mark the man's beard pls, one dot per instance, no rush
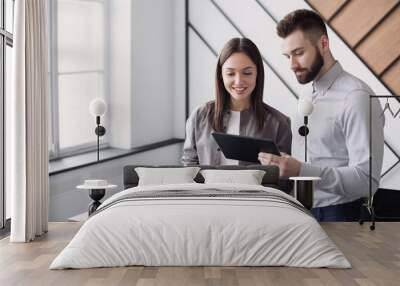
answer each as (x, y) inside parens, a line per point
(310, 74)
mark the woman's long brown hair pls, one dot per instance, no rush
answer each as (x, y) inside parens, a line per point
(222, 97)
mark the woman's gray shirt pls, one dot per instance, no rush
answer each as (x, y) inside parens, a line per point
(200, 147)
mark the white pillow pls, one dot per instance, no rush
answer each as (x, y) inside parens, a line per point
(249, 177)
(162, 176)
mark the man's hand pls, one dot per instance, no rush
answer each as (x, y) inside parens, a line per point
(288, 166)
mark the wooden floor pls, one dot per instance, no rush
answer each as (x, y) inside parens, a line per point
(374, 255)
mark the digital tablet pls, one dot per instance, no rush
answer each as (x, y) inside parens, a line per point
(244, 148)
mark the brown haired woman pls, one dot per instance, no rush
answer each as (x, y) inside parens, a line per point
(238, 108)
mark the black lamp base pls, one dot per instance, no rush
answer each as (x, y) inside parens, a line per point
(96, 195)
(303, 130)
(303, 192)
(100, 130)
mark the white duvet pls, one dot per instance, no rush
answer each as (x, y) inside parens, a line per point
(200, 231)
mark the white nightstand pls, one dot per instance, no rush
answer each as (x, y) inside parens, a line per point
(97, 190)
(304, 190)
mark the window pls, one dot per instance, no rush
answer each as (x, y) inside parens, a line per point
(77, 74)
(6, 43)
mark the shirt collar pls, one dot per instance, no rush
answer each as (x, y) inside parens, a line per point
(326, 81)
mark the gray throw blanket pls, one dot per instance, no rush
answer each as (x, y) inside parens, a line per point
(204, 193)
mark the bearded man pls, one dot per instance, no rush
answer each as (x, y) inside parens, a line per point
(339, 126)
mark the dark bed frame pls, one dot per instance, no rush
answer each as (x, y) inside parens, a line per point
(270, 179)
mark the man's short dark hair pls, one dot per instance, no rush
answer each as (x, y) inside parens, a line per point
(307, 21)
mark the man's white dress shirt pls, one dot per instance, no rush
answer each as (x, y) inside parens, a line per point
(338, 142)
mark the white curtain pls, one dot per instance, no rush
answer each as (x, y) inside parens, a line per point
(27, 151)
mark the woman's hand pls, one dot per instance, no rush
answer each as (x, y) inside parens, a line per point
(288, 166)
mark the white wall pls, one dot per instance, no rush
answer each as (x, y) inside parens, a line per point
(66, 201)
(147, 75)
(152, 72)
(179, 69)
(258, 26)
(120, 74)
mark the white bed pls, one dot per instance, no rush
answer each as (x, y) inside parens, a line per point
(185, 230)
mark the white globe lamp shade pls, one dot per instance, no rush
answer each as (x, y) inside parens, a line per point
(97, 107)
(305, 106)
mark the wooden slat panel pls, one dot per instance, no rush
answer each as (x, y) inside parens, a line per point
(326, 8)
(383, 45)
(365, 14)
(392, 77)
